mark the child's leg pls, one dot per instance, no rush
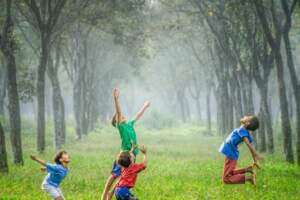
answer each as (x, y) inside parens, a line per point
(61, 197)
(107, 187)
(230, 175)
(54, 192)
(111, 193)
(115, 173)
(243, 170)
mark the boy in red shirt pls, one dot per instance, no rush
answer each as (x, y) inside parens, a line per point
(129, 174)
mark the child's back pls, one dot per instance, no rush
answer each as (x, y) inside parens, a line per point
(230, 146)
(129, 175)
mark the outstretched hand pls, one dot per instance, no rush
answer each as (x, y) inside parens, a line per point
(147, 104)
(133, 146)
(33, 157)
(255, 163)
(143, 149)
(116, 93)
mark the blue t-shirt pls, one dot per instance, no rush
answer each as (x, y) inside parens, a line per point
(230, 146)
(56, 173)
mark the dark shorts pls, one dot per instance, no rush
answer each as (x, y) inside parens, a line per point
(116, 170)
(123, 193)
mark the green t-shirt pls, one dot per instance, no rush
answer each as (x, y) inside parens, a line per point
(127, 134)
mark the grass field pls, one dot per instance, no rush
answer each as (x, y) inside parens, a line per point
(183, 165)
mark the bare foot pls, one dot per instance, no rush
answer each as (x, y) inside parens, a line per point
(253, 179)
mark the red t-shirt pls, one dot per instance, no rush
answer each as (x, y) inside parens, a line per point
(129, 175)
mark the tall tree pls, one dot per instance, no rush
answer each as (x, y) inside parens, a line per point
(3, 154)
(274, 40)
(288, 9)
(8, 48)
(3, 83)
(44, 17)
(57, 98)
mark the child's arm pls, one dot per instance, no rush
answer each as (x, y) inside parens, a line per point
(141, 112)
(116, 94)
(144, 151)
(111, 193)
(109, 182)
(254, 154)
(42, 162)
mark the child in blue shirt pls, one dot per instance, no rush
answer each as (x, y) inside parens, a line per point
(56, 173)
(229, 148)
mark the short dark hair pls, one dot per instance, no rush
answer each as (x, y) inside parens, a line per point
(124, 159)
(253, 122)
(58, 156)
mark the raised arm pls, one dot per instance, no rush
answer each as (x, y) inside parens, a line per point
(144, 151)
(254, 154)
(142, 111)
(42, 162)
(116, 94)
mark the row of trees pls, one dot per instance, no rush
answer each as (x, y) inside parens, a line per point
(239, 47)
(224, 58)
(69, 37)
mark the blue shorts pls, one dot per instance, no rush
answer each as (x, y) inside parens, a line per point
(54, 192)
(116, 170)
(123, 193)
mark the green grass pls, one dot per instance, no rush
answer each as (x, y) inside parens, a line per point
(183, 165)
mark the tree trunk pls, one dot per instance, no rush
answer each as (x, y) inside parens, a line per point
(298, 126)
(7, 44)
(186, 108)
(262, 133)
(285, 121)
(57, 104)
(181, 106)
(77, 103)
(222, 112)
(77, 96)
(84, 90)
(239, 110)
(274, 43)
(249, 96)
(208, 111)
(295, 84)
(198, 107)
(219, 113)
(3, 154)
(228, 109)
(3, 85)
(267, 119)
(41, 94)
(14, 110)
